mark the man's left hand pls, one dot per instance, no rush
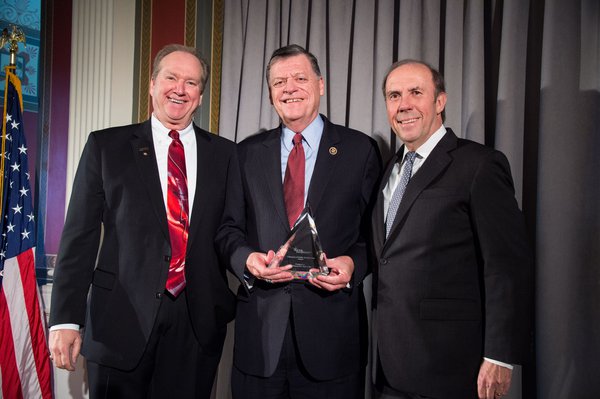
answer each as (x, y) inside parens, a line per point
(493, 380)
(340, 274)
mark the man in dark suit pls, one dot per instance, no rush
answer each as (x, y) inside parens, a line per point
(453, 265)
(300, 339)
(150, 197)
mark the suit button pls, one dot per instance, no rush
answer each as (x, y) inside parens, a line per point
(167, 258)
(287, 289)
(383, 261)
(158, 295)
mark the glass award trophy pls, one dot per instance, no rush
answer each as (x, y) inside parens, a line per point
(302, 250)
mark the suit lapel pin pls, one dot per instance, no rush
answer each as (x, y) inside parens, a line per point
(144, 151)
(333, 150)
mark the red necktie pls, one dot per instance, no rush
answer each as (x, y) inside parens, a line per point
(177, 214)
(293, 183)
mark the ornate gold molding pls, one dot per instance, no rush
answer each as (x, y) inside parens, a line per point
(216, 59)
(145, 47)
(190, 23)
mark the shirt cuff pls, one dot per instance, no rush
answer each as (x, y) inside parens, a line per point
(65, 326)
(248, 279)
(508, 366)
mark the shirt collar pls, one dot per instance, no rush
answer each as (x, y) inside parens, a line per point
(311, 134)
(425, 149)
(163, 132)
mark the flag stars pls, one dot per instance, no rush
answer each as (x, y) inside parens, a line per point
(18, 232)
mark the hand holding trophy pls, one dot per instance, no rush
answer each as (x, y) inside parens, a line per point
(302, 249)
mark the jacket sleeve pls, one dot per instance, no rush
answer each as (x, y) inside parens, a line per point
(231, 236)
(370, 181)
(79, 241)
(507, 261)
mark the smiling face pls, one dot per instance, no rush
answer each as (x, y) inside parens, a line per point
(295, 91)
(176, 90)
(413, 110)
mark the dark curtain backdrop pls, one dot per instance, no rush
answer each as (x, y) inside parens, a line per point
(522, 76)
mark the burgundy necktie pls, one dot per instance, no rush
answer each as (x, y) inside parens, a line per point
(293, 183)
(177, 214)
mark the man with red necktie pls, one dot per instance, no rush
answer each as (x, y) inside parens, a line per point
(159, 303)
(300, 339)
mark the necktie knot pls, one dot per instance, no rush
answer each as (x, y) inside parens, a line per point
(174, 134)
(297, 139)
(410, 157)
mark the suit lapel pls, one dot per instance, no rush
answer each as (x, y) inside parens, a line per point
(435, 164)
(324, 166)
(204, 163)
(270, 162)
(143, 152)
(378, 216)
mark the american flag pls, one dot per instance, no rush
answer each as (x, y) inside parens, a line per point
(24, 361)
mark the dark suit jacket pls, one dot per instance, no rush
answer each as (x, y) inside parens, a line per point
(117, 198)
(327, 325)
(451, 280)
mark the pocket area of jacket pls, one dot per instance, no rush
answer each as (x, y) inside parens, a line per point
(449, 309)
(103, 279)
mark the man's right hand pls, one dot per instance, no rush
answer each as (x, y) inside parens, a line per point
(65, 345)
(257, 264)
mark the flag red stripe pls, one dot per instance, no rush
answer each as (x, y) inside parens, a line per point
(24, 356)
(36, 324)
(11, 382)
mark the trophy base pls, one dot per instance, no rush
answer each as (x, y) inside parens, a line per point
(306, 275)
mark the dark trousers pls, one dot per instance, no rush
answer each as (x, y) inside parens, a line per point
(389, 393)
(173, 365)
(382, 389)
(292, 381)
